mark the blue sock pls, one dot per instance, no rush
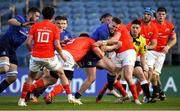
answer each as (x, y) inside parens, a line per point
(110, 80)
(77, 95)
(4, 84)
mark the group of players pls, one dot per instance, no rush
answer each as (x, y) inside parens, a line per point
(137, 49)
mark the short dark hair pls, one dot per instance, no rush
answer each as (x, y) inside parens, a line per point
(105, 15)
(34, 9)
(48, 12)
(84, 35)
(161, 9)
(61, 18)
(136, 22)
(116, 20)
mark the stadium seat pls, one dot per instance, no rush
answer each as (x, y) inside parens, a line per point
(77, 22)
(177, 9)
(164, 3)
(134, 4)
(92, 16)
(79, 29)
(91, 4)
(35, 3)
(93, 9)
(106, 10)
(177, 16)
(175, 3)
(122, 9)
(76, 4)
(126, 20)
(93, 21)
(20, 8)
(136, 9)
(118, 4)
(78, 10)
(133, 16)
(148, 3)
(105, 4)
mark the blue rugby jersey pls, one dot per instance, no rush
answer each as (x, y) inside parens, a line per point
(65, 35)
(15, 35)
(101, 33)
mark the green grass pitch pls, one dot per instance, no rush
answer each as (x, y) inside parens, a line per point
(108, 103)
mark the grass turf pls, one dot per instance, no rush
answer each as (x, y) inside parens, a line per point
(108, 103)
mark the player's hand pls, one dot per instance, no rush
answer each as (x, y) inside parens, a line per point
(165, 49)
(119, 44)
(63, 58)
(27, 24)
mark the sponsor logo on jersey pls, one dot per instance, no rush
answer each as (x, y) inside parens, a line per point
(150, 33)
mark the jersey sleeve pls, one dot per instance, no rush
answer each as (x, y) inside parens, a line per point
(101, 33)
(91, 42)
(143, 48)
(95, 35)
(19, 18)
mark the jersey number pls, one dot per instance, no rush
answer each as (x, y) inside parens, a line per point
(43, 37)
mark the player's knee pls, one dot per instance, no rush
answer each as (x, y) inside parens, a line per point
(153, 78)
(4, 69)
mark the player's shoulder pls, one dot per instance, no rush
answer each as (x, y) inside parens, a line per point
(168, 23)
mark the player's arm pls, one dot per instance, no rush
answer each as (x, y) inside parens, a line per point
(29, 41)
(143, 62)
(106, 42)
(98, 51)
(15, 22)
(152, 44)
(59, 49)
(116, 36)
(111, 47)
(171, 42)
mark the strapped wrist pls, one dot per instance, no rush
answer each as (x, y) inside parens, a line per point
(168, 46)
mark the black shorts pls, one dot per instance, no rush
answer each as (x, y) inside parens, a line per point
(89, 60)
(137, 64)
(9, 51)
(69, 74)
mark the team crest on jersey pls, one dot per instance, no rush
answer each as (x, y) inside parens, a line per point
(167, 30)
(150, 34)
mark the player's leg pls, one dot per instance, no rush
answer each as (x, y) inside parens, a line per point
(91, 77)
(58, 89)
(138, 72)
(107, 64)
(128, 60)
(158, 67)
(27, 86)
(12, 70)
(4, 64)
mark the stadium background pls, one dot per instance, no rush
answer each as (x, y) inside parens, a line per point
(83, 16)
